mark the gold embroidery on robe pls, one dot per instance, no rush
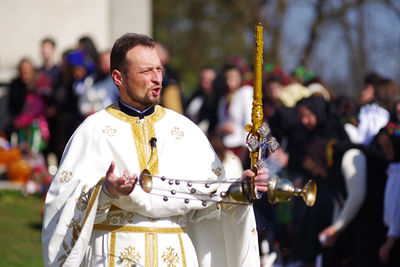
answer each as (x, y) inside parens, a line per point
(170, 257)
(109, 131)
(65, 176)
(85, 203)
(119, 218)
(177, 133)
(83, 199)
(76, 230)
(143, 131)
(129, 256)
(217, 171)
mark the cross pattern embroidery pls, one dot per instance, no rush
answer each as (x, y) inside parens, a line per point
(65, 176)
(130, 256)
(217, 171)
(177, 133)
(170, 257)
(109, 131)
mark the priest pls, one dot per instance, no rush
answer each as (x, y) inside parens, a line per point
(98, 214)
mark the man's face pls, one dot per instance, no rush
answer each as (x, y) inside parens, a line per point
(206, 79)
(47, 51)
(140, 86)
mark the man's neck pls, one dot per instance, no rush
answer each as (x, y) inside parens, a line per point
(131, 111)
(49, 64)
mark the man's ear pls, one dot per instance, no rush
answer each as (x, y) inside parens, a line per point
(117, 77)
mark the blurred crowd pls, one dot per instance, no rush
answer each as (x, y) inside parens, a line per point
(349, 145)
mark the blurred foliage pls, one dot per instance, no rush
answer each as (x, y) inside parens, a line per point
(338, 40)
(202, 34)
(20, 230)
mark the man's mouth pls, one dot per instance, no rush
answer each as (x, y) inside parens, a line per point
(156, 91)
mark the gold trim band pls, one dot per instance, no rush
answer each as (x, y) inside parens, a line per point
(112, 250)
(154, 240)
(147, 262)
(137, 229)
(182, 251)
(92, 199)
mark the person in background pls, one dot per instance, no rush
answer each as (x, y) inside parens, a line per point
(80, 70)
(234, 111)
(317, 120)
(395, 113)
(387, 93)
(27, 106)
(202, 106)
(90, 52)
(100, 90)
(372, 116)
(341, 169)
(65, 105)
(27, 102)
(172, 95)
(273, 85)
(389, 249)
(49, 62)
(19, 86)
(51, 67)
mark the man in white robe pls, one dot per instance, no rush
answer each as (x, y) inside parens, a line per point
(96, 214)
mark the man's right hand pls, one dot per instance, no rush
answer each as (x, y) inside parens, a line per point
(119, 186)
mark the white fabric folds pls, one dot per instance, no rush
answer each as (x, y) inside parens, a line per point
(153, 229)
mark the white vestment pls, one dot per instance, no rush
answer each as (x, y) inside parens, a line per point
(83, 226)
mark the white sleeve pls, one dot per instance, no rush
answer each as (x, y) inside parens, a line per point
(104, 204)
(354, 170)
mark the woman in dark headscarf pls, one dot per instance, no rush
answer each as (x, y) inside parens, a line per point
(340, 171)
(319, 119)
(346, 225)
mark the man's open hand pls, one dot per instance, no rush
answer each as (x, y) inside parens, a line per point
(119, 186)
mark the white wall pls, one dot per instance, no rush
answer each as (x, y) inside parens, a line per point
(24, 23)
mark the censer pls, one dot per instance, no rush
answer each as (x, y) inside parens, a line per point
(259, 140)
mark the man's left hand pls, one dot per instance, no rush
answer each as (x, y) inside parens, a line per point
(260, 180)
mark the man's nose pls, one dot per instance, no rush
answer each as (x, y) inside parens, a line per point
(157, 77)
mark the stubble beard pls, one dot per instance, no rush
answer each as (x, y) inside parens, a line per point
(146, 101)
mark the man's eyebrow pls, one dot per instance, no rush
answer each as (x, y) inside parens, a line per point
(146, 68)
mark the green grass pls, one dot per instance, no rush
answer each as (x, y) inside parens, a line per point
(20, 230)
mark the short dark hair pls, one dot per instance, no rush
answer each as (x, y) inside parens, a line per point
(123, 45)
(375, 79)
(49, 40)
